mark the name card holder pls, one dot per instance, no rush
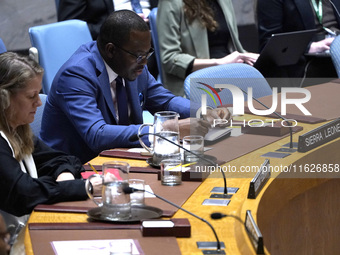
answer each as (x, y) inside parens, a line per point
(254, 233)
(259, 180)
(319, 136)
(178, 227)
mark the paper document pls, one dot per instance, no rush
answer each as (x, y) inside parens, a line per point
(93, 247)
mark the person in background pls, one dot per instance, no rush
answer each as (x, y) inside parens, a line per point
(31, 172)
(86, 111)
(194, 34)
(277, 16)
(141, 7)
(96, 12)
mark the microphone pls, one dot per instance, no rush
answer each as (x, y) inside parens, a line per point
(291, 146)
(217, 216)
(129, 190)
(135, 137)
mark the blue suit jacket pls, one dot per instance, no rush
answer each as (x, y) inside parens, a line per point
(79, 117)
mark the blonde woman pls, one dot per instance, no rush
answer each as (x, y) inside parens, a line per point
(31, 172)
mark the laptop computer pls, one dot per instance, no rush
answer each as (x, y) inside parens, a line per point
(284, 49)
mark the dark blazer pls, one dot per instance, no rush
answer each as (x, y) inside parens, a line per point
(181, 42)
(277, 16)
(20, 193)
(94, 12)
(79, 116)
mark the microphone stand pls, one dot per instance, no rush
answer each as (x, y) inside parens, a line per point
(217, 216)
(218, 250)
(225, 190)
(291, 146)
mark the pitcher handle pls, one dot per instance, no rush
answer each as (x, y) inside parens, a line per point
(88, 188)
(141, 140)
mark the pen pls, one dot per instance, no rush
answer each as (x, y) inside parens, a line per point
(189, 164)
(93, 168)
(185, 165)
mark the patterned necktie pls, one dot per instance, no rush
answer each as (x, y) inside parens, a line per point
(136, 6)
(122, 102)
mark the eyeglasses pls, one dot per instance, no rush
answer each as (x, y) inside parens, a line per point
(139, 57)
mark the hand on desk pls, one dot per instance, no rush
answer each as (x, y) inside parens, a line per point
(194, 126)
(97, 186)
(216, 114)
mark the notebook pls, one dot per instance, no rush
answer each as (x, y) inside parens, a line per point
(284, 49)
(216, 134)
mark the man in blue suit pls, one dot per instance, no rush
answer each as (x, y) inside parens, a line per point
(81, 115)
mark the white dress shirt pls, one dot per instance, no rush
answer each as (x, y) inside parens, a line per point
(112, 78)
(126, 4)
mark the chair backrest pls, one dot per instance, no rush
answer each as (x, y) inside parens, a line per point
(55, 43)
(335, 54)
(36, 124)
(154, 36)
(2, 47)
(240, 75)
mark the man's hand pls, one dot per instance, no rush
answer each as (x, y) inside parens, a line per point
(321, 46)
(193, 126)
(218, 113)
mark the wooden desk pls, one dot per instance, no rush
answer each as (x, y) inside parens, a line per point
(275, 209)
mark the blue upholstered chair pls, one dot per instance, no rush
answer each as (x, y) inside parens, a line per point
(240, 75)
(2, 47)
(154, 36)
(36, 124)
(55, 43)
(335, 54)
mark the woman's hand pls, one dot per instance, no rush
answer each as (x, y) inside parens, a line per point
(97, 184)
(237, 57)
(65, 176)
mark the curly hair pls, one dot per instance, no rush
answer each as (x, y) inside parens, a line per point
(15, 72)
(117, 27)
(201, 11)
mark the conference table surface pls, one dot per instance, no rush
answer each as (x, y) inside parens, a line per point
(230, 230)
